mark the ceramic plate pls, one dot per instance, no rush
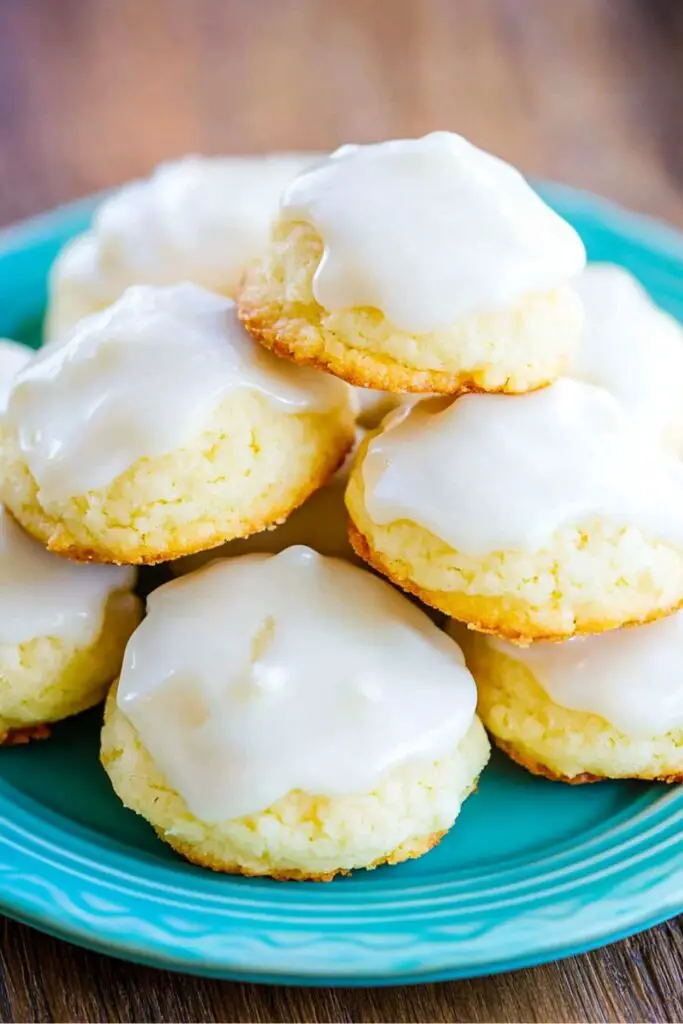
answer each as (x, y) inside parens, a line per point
(532, 871)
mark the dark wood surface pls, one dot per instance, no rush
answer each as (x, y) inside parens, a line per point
(96, 91)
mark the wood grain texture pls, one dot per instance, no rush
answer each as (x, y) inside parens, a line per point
(96, 91)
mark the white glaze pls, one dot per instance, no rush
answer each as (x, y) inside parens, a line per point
(198, 219)
(492, 473)
(633, 678)
(428, 231)
(13, 356)
(44, 595)
(632, 348)
(265, 674)
(139, 379)
(75, 286)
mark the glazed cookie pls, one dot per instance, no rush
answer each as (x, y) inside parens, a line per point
(157, 428)
(535, 516)
(419, 265)
(632, 348)
(63, 630)
(294, 716)
(198, 219)
(63, 627)
(608, 706)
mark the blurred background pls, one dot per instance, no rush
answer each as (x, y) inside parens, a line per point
(93, 92)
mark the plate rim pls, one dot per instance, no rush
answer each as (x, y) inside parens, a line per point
(101, 915)
(41, 898)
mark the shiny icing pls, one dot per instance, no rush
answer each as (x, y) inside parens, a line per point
(198, 219)
(428, 231)
(265, 674)
(139, 380)
(43, 595)
(632, 678)
(492, 473)
(632, 348)
(75, 286)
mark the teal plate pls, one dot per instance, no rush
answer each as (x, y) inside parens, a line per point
(532, 871)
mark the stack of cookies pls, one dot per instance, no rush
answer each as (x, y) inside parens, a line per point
(541, 503)
(279, 711)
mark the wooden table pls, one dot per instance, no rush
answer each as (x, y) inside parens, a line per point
(96, 91)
